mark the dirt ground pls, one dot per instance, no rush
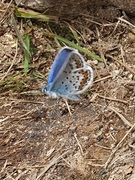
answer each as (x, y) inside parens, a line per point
(39, 140)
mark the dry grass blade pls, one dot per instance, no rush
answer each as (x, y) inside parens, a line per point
(75, 135)
(92, 21)
(30, 14)
(123, 64)
(127, 22)
(52, 162)
(102, 79)
(14, 59)
(113, 99)
(25, 101)
(68, 107)
(6, 13)
(124, 120)
(117, 147)
(19, 34)
(132, 143)
(21, 174)
(74, 32)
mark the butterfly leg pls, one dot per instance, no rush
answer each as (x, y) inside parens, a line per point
(68, 107)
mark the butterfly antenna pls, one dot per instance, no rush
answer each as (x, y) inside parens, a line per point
(68, 107)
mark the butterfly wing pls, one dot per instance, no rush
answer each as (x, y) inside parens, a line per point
(75, 78)
(59, 65)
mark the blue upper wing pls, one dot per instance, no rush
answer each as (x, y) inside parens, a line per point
(59, 64)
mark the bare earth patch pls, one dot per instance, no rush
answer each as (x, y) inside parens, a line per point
(38, 137)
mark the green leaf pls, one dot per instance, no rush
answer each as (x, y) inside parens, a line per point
(27, 55)
(30, 14)
(90, 54)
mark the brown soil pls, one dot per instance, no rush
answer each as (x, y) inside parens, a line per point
(38, 137)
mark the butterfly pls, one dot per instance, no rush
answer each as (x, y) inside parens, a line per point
(69, 76)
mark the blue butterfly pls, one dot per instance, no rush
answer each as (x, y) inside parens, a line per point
(69, 76)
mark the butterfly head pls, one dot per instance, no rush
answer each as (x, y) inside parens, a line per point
(46, 90)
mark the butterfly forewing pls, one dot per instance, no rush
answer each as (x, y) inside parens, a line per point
(59, 64)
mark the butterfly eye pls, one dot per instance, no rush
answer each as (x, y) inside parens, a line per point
(44, 89)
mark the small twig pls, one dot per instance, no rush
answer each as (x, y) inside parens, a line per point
(124, 120)
(113, 138)
(11, 63)
(128, 82)
(94, 164)
(116, 25)
(68, 107)
(117, 147)
(75, 135)
(92, 21)
(132, 143)
(54, 161)
(26, 101)
(125, 21)
(9, 176)
(123, 64)
(21, 174)
(5, 13)
(102, 79)
(103, 147)
(4, 166)
(26, 114)
(113, 99)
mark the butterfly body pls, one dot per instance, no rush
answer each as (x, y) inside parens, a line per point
(69, 75)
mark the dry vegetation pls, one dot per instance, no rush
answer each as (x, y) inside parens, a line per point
(39, 140)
